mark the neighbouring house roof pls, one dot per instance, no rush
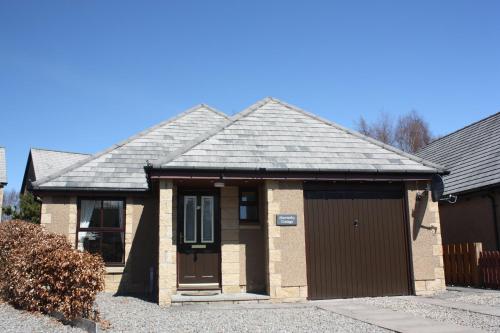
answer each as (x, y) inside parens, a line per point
(45, 162)
(471, 154)
(279, 137)
(271, 134)
(3, 167)
(121, 167)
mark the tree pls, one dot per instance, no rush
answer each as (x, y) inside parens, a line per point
(10, 199)
(29, 209)
(410, 132)
(381, 129)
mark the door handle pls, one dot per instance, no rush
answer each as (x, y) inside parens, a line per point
(356, 223)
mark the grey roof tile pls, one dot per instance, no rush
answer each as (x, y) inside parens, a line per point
(277, 136)
(121, 167)
(3, 166)
(47, 162)
(472, 155)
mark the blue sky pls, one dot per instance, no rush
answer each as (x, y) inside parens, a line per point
(83, 75)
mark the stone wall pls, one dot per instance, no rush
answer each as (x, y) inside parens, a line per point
(59, 214)
(167, 258)
(286, 257)
(230, 240)
(426, 245)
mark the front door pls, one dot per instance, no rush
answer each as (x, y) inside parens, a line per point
(199, 239)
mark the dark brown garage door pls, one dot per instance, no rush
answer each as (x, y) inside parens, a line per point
(356, 239)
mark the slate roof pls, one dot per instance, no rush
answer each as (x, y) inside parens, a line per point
(3, 167)
(47, 162)
(121, 167)
(279, 137)
(472, 155)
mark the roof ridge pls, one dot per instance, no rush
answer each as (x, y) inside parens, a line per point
(361, 136)
(59, 151)
(122, 143)
(462, 128)
(196, 141)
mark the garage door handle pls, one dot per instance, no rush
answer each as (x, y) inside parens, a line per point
(356, 222)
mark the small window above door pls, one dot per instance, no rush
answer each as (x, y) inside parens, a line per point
(249, 206)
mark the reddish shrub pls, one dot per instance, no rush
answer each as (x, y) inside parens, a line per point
(41, 271)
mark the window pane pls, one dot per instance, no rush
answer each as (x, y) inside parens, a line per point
(89, 241)
(189, 219)
(112, 214)
(249, 213)
(90, 214)
(207, 219)
(248, 196)
(112, 246)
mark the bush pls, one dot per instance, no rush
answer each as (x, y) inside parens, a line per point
(41, 271)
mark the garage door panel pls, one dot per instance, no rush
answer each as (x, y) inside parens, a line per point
(356, 242)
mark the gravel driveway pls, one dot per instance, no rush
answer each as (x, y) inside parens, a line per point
(16, 321)
(411, 305)
(128, 314)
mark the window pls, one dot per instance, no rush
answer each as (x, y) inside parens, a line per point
(249, 206)
(101, 229)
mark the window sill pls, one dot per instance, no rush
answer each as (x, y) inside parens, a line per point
(114, 269)
(250, 226)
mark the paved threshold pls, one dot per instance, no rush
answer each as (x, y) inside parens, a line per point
(389, 319)
(482, 309)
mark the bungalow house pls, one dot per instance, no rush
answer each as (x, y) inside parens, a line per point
(3, 177)
(273, 200)
(472, 155)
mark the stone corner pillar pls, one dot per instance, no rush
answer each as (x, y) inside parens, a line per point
(286, 266)
(167, 267)
(426, 243)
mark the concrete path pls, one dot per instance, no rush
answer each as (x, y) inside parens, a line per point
(389, 319)
(482, 309)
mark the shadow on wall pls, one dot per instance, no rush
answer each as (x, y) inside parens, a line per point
(418, 213)
(255, 260)
(139, 277)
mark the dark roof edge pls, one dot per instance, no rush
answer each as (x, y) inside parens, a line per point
(460, 129)
(38, 183)
(196, 141)
(378, 171)
(439, 168)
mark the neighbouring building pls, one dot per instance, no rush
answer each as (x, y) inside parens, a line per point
(472, 155)
(3, 177)
(273, 200)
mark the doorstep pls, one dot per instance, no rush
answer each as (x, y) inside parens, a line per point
(183, 298)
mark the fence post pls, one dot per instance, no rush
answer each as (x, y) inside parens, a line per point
(476, 272)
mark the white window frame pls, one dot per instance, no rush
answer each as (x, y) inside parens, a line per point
(186, 198)
(211, 197)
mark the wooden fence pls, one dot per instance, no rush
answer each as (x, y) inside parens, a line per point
(489, 263)
(466, 264)
(461, 264)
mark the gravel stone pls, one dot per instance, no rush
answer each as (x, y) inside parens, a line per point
(127, 314)
(480, 298)
(440, 313)
(13, 320)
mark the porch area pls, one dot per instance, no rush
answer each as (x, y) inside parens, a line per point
(243, 258)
